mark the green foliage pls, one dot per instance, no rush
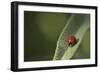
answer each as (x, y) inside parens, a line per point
(77, 25)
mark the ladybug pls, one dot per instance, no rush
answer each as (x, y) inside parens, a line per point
(71, 40)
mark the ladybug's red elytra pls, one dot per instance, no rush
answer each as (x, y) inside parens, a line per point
(71, 40)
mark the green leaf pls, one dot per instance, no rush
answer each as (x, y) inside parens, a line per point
(83, 51)
(77, 25)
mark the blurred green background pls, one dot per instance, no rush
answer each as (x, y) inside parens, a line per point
(41, 31)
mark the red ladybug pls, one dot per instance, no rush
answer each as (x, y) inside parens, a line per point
(71, 40)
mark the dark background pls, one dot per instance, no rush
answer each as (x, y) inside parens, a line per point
(41, 31)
